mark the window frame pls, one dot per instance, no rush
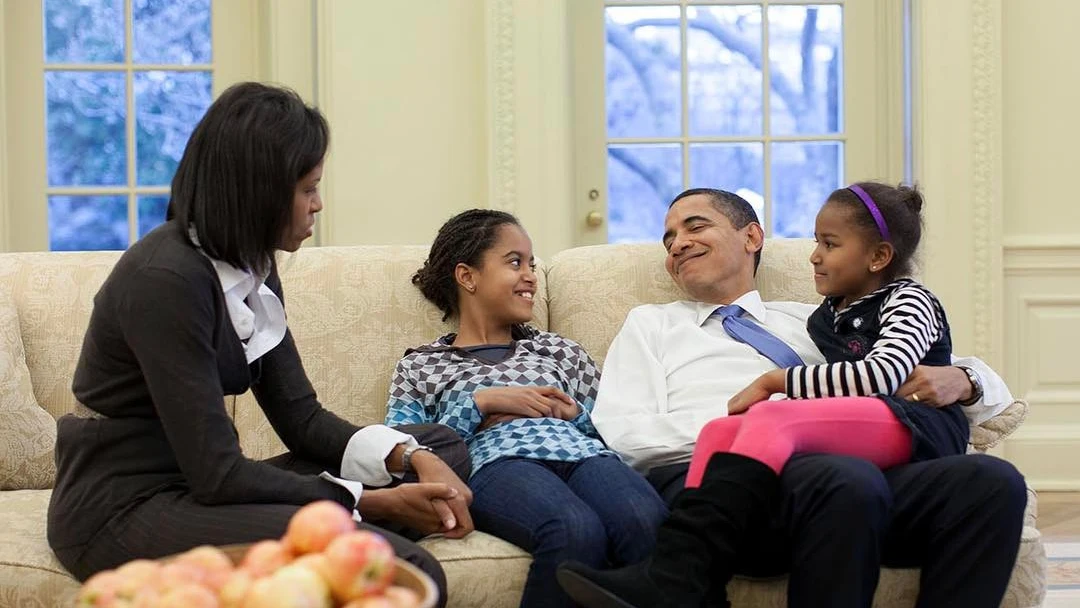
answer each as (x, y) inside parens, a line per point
(872, 104)
(24, 188)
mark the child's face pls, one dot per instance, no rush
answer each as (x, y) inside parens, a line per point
(506, 278)
(843, 257)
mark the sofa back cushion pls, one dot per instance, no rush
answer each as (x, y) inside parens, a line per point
(28, 432)
(54, 294)
(353, 311)
(591, 289)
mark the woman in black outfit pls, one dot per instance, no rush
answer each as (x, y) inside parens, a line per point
(149, 463)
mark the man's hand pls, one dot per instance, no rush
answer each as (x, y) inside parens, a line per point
(432, 470)
(526, 402)
(935, 386)
(420, 506)
(759, 390)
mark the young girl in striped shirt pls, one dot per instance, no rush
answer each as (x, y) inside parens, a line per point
(874, 326)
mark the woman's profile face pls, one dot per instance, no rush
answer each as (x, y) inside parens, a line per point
(306, 203)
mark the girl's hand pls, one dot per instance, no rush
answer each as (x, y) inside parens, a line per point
(759, 390)
(526, 401)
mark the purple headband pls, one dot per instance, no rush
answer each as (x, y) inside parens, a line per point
(873, 209)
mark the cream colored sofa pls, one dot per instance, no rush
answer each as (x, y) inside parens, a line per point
(353, 312)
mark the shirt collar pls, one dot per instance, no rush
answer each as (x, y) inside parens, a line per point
(749, 301)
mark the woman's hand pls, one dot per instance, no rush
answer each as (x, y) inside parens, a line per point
(759, 390)
(431, 469)
(420, 506)
(526, 402)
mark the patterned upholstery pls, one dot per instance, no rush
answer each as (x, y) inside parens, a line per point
(353, 312)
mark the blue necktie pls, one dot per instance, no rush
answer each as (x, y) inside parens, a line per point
(746, 331)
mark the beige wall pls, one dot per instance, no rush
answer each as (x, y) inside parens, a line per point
(404, 87)
(1041, 233)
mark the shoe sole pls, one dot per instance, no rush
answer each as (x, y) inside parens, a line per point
(588, 593)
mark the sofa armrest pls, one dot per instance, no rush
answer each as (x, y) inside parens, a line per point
(993, 431)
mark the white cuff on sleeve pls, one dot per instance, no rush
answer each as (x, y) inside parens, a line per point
(354, 487)
(366, 452)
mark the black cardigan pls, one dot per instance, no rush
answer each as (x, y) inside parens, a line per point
(159, 355)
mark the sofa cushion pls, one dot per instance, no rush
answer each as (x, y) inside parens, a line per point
(29, 432)
(993, 431)
(482, 570)
(30, 574)
(353, 311)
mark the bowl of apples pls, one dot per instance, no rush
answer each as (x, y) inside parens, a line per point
(323, 561)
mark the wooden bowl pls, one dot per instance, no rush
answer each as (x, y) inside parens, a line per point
(405, 575)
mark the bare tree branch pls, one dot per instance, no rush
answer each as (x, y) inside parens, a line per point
(735, 42)
(651, 174)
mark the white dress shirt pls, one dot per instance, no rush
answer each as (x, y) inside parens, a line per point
(672, 368)
(258, 317)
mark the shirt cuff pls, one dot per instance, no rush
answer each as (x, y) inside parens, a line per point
(354, 487)
(366, 452)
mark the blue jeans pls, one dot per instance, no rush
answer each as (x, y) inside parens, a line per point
(597, 511)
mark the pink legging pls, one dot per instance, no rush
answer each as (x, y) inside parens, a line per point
(771, 431)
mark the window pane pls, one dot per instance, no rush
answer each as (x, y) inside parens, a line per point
(643, 72)
(82, 31)
(79, 223)
(642, 180)
(85, 135)
(723, 56)
(805, 65)
(151, 211)
(167, 107)
(737, 168)
(803, 176)
(171, 31)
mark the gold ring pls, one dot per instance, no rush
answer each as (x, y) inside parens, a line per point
(915, 397)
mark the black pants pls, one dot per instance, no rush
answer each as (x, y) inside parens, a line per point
(958, 518)
(172, 521)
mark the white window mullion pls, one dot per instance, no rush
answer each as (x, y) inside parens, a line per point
(129, 123)
(766, 127)
(684, 80)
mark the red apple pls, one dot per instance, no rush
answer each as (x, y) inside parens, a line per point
(266, 556)
(136, 576)
(99, 590)
(375, 601)
(359, 564)
(188, 596)
(313, 527)
(231, 594)
(216, 566)
(176, 574)
(289, 587)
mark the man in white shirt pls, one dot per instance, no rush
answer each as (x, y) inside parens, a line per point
(671, 369)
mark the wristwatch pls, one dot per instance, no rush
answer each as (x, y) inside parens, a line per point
(406, 456)
(976, 386)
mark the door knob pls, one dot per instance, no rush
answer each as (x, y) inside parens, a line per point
(594, 219)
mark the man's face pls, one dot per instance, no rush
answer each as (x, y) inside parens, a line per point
(708, 257)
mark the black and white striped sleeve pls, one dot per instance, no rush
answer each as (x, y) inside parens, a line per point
(911, 322)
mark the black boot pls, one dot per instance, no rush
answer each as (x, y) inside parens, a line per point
(695, 547)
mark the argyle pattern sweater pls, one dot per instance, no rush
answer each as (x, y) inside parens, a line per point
(436, 383)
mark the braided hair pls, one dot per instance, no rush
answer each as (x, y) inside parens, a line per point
(463, 239)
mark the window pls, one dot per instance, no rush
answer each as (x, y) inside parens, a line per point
(102, 119)
(125, 83)
(751, 97)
